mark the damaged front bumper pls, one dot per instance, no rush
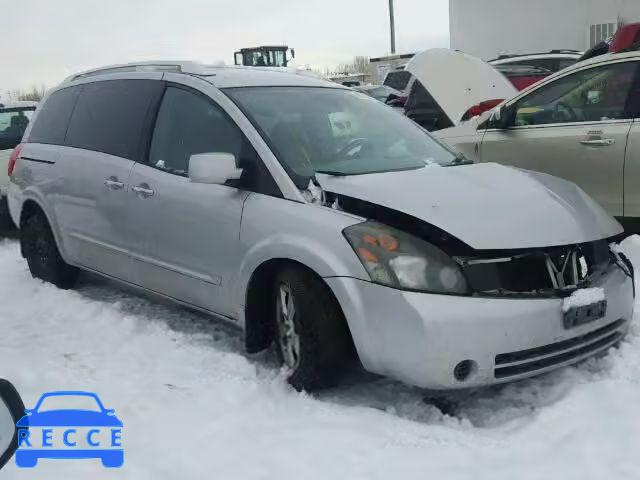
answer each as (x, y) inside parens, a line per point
(444, 342)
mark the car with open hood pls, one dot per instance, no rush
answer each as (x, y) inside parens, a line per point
(450, 87)
(580, 124)
(318, 220)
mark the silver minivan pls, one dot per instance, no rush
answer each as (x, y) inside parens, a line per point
(318, 219)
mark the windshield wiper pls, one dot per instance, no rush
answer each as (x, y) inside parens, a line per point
(334, 173)
(459, 159)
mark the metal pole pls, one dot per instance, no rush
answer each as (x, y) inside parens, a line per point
(392, 24)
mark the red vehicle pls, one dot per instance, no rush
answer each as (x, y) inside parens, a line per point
(521, 76)
(626, 39)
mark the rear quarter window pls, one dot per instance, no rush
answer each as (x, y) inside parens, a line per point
(110, 116)
(50, 125)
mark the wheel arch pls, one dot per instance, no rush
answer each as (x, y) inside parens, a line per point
(32, 205)
(258, 326)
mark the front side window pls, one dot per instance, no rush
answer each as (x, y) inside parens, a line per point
(594, 95)
(188, 124)
(336, 131)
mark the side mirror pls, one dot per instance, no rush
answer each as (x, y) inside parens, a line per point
(213, 168)
(11, 410)
(293, 53)
(502, 117)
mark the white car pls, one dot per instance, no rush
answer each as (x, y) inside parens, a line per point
(14, 118)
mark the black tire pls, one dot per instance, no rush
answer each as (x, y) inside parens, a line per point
(6, 224)
(325, 345)
(43, 257)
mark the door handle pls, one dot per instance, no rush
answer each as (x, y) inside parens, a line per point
(143, 190)
(599, 142)
(112, 183)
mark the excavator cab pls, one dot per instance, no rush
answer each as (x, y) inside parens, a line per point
(265, 56)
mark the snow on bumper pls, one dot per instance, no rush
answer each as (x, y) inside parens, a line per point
(420, 338)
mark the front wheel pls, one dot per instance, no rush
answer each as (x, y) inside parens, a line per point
(312, 339)
(43, 257)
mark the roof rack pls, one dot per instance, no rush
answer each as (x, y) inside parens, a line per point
(177, 67)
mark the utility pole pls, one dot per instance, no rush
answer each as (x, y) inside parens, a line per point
(392, 24)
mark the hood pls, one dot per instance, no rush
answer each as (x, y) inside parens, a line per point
(458, 81)
(487, 206)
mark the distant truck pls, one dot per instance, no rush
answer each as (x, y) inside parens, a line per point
(264, 56)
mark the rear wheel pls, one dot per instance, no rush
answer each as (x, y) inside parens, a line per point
(43, 257)
(312, 339)
(6, 224)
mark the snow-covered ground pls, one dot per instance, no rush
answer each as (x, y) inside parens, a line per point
(195, 407)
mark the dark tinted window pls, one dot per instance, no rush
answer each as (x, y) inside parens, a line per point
(397, 79)
(110, 116)
(187, 124)
(422, 108)
(51, 122)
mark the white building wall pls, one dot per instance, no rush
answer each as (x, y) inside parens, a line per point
(488, 28)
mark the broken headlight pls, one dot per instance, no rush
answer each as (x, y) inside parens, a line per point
(400, 260)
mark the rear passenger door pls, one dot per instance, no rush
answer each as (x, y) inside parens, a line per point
(103, 141)
(187, 235)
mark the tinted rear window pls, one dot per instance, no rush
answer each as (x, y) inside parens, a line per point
(110, 116)
(397, 79)
(51, 122)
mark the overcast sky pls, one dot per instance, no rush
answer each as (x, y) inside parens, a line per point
(46, 40)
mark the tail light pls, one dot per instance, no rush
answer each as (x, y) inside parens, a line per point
(13, 158)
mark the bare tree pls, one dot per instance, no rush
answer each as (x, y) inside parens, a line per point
(34, 94)
(359, 64)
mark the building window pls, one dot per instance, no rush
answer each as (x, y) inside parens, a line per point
(600, 32)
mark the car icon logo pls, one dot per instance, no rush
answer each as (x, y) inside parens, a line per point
(69, 433)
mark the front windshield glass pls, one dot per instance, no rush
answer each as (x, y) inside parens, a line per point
(340, 132)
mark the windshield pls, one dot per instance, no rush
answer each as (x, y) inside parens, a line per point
(341, 132)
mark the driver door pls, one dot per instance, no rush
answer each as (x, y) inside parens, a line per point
(576, 128)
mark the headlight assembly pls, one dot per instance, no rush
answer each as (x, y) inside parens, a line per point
(400, 260)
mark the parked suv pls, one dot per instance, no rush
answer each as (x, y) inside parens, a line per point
(580, 124)
(319, 219)
(14, 118)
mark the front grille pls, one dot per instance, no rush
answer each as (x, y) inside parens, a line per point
(546, 272)
(557, 353)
